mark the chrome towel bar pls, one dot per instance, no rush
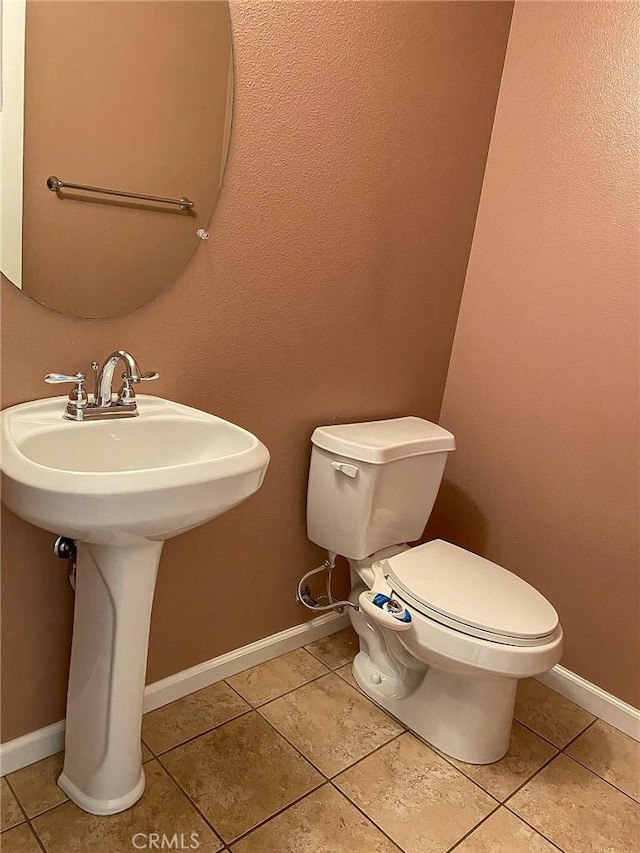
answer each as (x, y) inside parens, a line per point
(55, 184)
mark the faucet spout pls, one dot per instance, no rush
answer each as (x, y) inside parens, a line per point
(104, 379)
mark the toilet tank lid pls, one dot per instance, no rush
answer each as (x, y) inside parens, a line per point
(383, 441)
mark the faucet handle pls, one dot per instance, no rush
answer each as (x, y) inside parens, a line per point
(77, 395)
(59, 378)
(141, 377)
(126, 394)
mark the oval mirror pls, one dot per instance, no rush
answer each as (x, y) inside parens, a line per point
(131, 97)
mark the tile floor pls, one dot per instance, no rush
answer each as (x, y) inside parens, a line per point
(290, 757)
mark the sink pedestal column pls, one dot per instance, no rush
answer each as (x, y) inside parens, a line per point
(114, 592)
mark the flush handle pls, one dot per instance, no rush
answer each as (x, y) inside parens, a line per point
(345, 468)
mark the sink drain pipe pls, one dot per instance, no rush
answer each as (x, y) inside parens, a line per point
(65, 549)
(322, 602)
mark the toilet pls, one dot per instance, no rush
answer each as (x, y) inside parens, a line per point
(444, 634)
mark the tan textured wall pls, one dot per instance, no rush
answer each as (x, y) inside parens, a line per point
(328, 291)
(109, 107)
(542, 391)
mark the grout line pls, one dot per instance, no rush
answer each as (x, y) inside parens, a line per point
(535, 828)
(293, 746)
(467, 834)
(517, 816)
(322, 782)
(190, 800)
(449, 760)
(331, 668)
(360, 691)
(588, 769)
(142, 740)
(542, 737)
(533, 776)
(258, 708)
(27, 819)
(250, 708)
(20, 806)
(50, 808)
(312, 762)
(575, 737)
(299, 799)
(595, 773)
(366, 816)
(324, 663)
(602, 779)
(364, 757)
(238, 694)
(37, 837)
(280, 695)
(202, 734)
(343, 677)
(501, 800)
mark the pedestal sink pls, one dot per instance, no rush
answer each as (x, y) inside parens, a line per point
(119, 488)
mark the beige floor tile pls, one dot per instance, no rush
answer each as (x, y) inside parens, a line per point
(163, 809)
(423, 803)
(503, 832)
(577, 810)
(19, 840)
(11, 815)
(269, 680)
(324, 822)
(336, 649)
(611, 754)
(331, 723)
(147, 755)
(241, 773)
(527, 753)
(36, 786)
(346, 672)
(191, 716)
(546, 712)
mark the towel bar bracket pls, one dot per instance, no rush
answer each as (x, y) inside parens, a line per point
(55, 185)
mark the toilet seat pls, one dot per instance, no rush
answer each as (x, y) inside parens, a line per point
(471, 595)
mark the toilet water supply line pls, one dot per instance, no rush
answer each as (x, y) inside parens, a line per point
(377, 603)
(304, 592)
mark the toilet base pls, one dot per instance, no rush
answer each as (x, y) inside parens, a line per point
(464, 716)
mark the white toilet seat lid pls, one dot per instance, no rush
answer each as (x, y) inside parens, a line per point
(471, 594)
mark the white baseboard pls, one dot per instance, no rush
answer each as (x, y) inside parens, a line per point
(27, 749)
(41, 743)
(196, 677)
(600, 703)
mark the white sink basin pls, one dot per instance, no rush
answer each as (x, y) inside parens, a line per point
(116, 481)
(119, 488)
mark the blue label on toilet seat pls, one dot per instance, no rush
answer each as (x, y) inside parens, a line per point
(383, 602)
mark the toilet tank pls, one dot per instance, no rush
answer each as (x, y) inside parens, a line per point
(372, 485)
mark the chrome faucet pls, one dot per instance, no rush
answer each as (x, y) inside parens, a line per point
(104, 377)
(81, 407)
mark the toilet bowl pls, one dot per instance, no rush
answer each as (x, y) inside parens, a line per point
(449, 668)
